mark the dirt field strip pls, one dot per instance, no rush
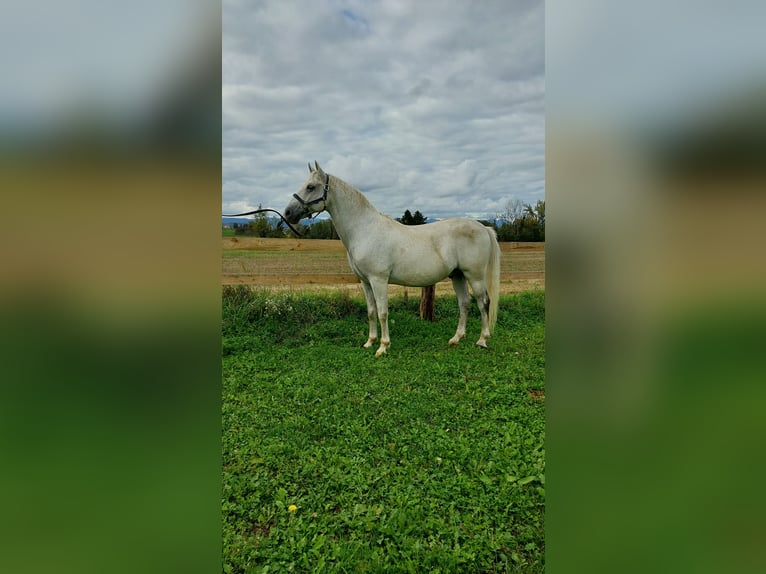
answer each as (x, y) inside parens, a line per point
(321, 263)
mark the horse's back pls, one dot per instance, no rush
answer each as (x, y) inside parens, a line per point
(462, 229)
(466, 237)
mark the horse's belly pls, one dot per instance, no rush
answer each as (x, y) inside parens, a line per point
(409, 282)
(418, 274)
(409, 266)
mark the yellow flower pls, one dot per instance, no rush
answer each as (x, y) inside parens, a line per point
(292, 508)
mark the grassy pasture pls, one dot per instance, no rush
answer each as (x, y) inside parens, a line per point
(429, 459)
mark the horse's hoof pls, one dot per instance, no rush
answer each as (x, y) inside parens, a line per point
(370, 343)
(453, 341)
(482, 344)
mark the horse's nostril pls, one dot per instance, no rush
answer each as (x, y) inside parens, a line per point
(287, 212)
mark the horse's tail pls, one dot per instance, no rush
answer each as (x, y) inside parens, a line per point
(493, 277)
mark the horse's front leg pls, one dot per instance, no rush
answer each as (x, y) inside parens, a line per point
(380, 292)
(372, 315)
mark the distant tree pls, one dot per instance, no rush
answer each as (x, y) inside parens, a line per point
(513, 210)
(321, 229)
(521, 222)
(261, 226)
(406, 218)
(412, 219)
(540, 211)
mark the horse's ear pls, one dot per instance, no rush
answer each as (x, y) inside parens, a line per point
(311, 170)
(319, 169)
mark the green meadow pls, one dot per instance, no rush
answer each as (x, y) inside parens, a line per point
(429, 459)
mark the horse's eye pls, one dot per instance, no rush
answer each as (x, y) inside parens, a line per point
(310, 187)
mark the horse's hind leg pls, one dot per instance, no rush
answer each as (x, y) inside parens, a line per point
(372, 315)
(464, 302)
(479, 288)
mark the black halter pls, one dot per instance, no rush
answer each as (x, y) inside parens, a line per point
(314, 201)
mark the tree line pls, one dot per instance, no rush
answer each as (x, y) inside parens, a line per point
(517, 222)
(520, 221)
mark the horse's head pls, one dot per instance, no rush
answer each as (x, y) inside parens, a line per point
(312, 196)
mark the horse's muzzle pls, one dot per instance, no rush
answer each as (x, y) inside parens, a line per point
(295, 212)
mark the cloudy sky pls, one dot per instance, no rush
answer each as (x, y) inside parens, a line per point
(435, 106)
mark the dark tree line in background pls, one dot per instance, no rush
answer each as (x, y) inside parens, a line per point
(517, 222)
(410, 219)
(520, 221)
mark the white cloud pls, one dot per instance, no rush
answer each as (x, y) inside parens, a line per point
(421, 105)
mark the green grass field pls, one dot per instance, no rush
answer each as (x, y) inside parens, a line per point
(429, 459)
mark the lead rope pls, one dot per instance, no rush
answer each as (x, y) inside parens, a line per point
(261, 211)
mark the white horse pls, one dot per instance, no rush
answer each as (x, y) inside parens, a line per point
(382, 251)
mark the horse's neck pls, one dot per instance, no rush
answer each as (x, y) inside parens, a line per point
(352, 214)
